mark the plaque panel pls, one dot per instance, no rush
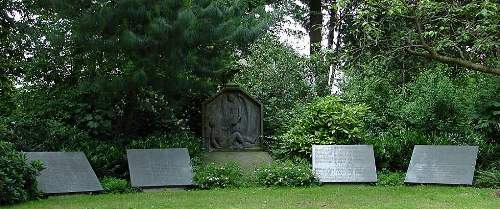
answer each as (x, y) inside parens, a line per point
(160, 167)
(65, 172)
(442, 164)
(344, 163)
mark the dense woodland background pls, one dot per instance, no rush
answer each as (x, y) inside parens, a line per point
(103, 76)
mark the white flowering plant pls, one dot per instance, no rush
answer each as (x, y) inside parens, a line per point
(286, 173)
(218, 176)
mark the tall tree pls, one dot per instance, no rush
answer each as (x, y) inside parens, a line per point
(119, 57)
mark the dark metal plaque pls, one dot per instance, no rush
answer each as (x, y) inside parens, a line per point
(344, 163)
(65, 172)
(160, 167)
(442, 164)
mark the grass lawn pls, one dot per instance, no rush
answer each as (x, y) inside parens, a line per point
(328, 196)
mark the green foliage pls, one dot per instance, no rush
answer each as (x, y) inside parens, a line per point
(27, 132)
(114, 185)
(327, 120)
(436, 108)
(286, 173)
(6, 101)
(432, 104)
(275, 75)
(488, 178)
(388, 178)
(17, 176)
(216, 176)
(416, 100)
(389, 29)
(127, 68)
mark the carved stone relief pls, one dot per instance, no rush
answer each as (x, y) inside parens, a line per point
(232, 120)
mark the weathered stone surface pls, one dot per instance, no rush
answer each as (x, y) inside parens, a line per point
(65, 172)
(232, 120)
(248, 160)
(159, 167)
(344, 163)
(443, 164)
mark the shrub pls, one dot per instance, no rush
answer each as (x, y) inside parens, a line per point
(285, 173)
(325, 121)
(388, 178)
(25, 133)
(488, 179)
(217, 176)
(17, 176)
(114, 185)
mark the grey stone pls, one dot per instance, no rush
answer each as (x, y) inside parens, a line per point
(442, 164)
(65, 172)
(160, 167)
(344, 163)
(232, 120)
(248, 160)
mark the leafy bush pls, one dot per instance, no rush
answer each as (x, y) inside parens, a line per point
(325, 121)
(115, 185)
(17, 176)
(285, 173)
(217, 176)
(388, 178)
(488, 179)
(26, 132)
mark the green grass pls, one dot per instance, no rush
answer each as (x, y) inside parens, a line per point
(328, 196)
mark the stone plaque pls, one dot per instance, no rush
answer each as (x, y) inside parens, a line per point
(65, 172)
(159, 167)
(443, 164)
(232, 120)
(344, 163)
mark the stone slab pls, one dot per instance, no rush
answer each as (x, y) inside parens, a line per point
(248, 160)
(160, 167)
(65, 172)
(442, 164)
(344, 163)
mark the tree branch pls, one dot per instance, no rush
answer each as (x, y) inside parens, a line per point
(456, 61)
(434, 55)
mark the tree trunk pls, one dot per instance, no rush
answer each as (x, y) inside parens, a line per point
(315, 25)
(332, 23)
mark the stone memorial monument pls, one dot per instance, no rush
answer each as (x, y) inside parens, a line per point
(344, 163)
(159, 167)
(232, 120)
(232, 128)
(65, 172)
(442, 164)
